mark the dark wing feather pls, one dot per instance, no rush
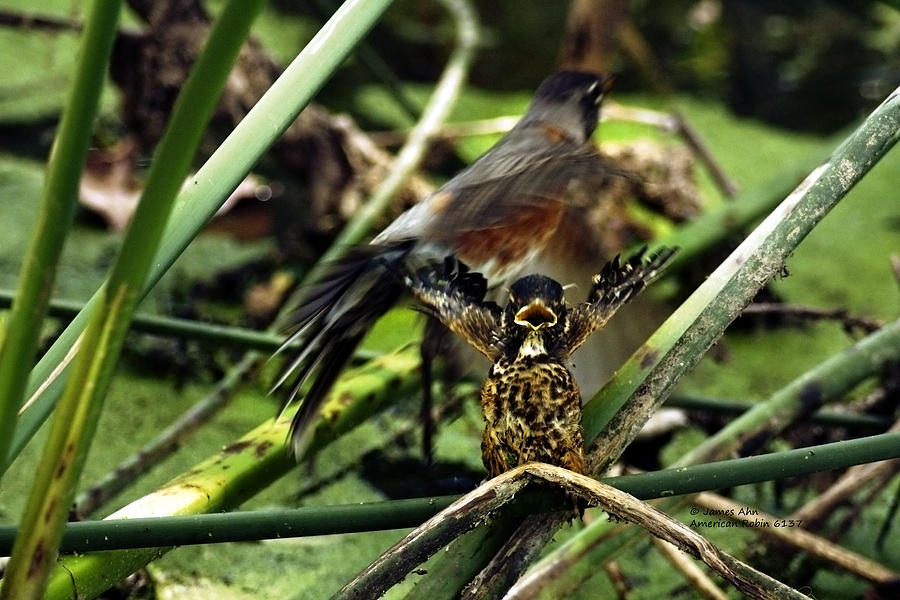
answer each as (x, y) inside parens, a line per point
(455, 296)
(337, 311)
(617, 283)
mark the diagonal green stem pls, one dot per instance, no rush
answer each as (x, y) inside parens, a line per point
(79, 409)
(60, 197)
(827, 382)
(205, 192)
(413, 151)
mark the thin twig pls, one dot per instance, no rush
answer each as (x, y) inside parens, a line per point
(801, 539)
(612, 111)
(701, 150)
(848, 320)
(619, 583)
(451, 131)
(33, 21)
(690, 571)
(854, 515)
(895, 267)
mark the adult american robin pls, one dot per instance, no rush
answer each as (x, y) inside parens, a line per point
(505, 211)
(530, 400)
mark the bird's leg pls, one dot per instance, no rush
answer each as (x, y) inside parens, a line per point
(425, 413)
(431, 348)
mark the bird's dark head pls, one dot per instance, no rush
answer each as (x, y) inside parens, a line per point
(570, 100)
(536, 309)
(535, 302)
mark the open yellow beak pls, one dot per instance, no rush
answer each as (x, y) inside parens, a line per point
(536, 315)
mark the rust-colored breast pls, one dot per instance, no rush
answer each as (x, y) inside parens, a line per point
(506, 246)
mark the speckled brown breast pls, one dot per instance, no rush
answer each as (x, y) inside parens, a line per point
(532, 413)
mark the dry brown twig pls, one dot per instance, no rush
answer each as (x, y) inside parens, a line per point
(802, 539)
(690, 571)
(895, 266)
(617, 578)
(849, 321)
(477, 506)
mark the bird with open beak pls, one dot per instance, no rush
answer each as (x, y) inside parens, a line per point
(530, 400)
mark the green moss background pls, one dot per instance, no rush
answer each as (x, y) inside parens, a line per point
(844, 263)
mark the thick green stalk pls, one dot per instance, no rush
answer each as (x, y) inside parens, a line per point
(221, 482)
(827, 382)
(647, 378)
(245, 526)
(79, 409)
(204, 194)
(59, 198)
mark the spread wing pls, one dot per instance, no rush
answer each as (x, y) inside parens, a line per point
(520, 175)
(528, 171)
(617, 283)
(455, 296)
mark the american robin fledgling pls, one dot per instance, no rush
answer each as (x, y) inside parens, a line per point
(504, 212)
(530, 400)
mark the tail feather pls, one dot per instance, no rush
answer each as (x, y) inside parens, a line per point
(338, 310)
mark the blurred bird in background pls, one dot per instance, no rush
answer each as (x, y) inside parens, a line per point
(508, 213)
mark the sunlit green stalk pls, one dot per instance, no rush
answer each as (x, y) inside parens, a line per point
(18, 345)
(219, 483)
(165, 442)
(207, 190)
(79, 409)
